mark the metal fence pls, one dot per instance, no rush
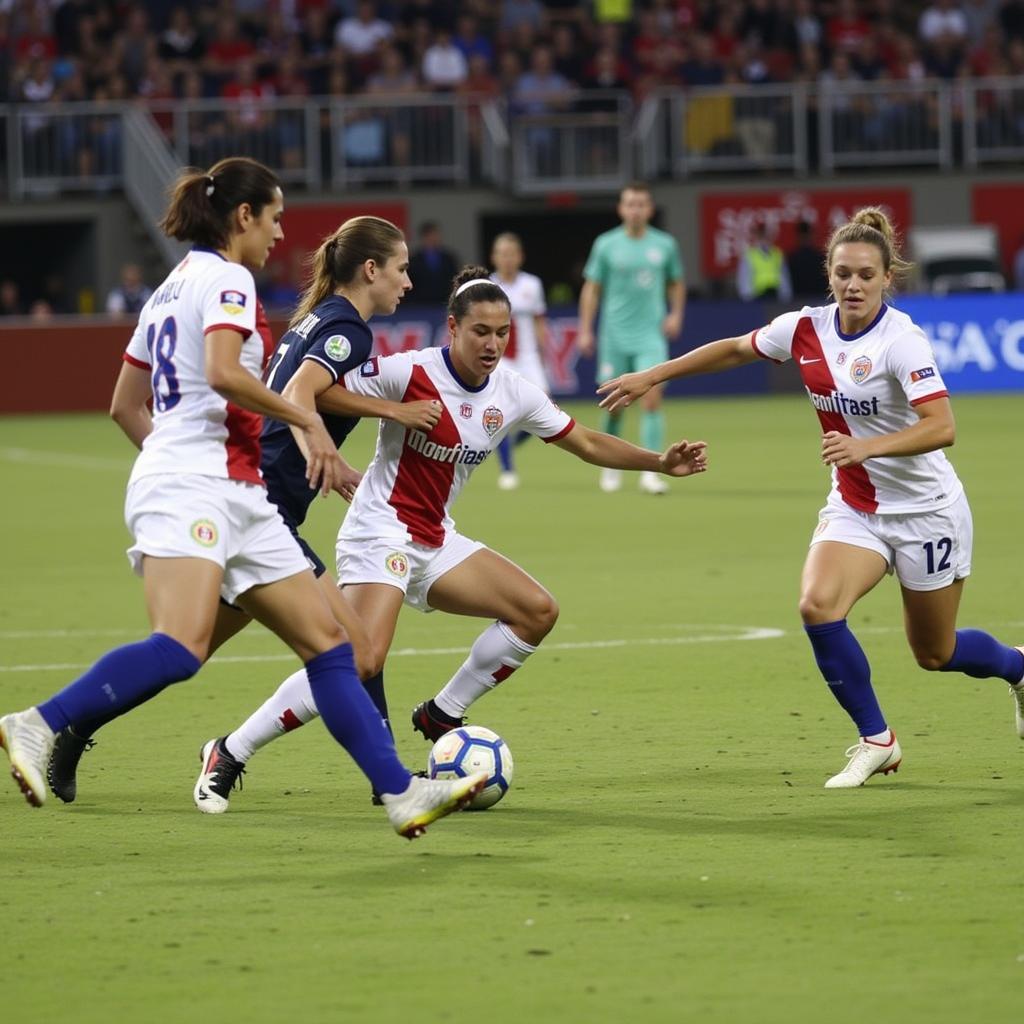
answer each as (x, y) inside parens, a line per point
(588, 142)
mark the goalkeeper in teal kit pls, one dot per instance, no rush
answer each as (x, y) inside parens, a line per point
(635, 274)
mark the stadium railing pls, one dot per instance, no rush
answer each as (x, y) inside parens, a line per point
(587, 141)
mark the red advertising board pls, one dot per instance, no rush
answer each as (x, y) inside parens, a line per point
(727, 218)
(1003, 206)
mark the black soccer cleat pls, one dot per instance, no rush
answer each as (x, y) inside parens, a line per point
(217, 777)
(62, 768)
(431, 722)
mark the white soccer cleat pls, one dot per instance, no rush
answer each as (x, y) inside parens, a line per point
(28, 741)
(653, 483)
(508, 481)
(426, 800)
(867, 758)
(217, 777)
(1017, 690)
(611, 480)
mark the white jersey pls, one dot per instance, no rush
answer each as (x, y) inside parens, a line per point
(195, 430)
(867, 385)
(408, 489)
(526, 296)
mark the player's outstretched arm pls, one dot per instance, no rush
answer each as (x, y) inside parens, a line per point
(681, 459)
(716, 355)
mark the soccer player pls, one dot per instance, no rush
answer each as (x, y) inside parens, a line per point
(196, 506)
(398, 544)
(896, 504)
(529, 335)
(629, 273)
(358, 271)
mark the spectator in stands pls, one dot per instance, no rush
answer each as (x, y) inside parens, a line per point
(135, 45)
(847, 27)
(762, 272)
(361, 34)
(1011, 18)
(806, 267)
(541, 89)
(521, 12)
(36, 41)
(394, 79)
(606, 71)
(128, 298)
(942, 20)
(867, 59)
(568, 54)
(41, 311)
(431, 267)
(444, 66)
(227, 47)
(10, 298)
(980, 14)
(703, 66)
(471, 41)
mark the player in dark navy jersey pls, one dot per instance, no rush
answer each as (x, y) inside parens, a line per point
(358, 271)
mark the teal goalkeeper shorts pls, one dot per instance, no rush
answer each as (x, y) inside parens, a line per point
(613, 362)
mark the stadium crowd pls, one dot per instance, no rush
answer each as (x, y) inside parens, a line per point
(530, 51)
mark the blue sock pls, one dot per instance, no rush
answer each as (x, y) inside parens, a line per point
(980, 655)
(522, 437)
(505, 454)
(843, 664)
(122, 678)
(351, 718)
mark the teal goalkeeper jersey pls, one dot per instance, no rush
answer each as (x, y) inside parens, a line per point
(633, 274)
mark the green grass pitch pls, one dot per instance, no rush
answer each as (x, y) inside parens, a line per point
(666, 853)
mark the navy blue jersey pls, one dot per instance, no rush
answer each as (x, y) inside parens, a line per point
(336, 337)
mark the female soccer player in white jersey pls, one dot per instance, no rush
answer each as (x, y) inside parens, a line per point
(196, 506)
(398, 543)
(896, 504)
(529, 336)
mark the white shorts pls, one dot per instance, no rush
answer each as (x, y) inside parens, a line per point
(412, 568)
(927, 550)
(225, 521)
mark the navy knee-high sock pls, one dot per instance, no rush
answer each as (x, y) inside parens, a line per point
(845, 667)
(374, 686)
(121, 679)
(505, 454)
(982, 656)
(348, 712)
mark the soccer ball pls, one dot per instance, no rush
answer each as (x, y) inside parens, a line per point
(472, 748)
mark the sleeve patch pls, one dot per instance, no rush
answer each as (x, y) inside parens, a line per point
(232, 301)
(923, 374)
(338, 348)
(369, 368)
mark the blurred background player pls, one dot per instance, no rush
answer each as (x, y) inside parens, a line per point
(398, 544)
(629, 273)
(896, 504)
(762, 272)
(203, 529)
(529, 336)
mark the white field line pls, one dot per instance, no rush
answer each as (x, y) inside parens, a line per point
(729, 634)
(66, 460)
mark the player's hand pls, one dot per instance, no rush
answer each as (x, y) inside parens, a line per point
(324, 466)
(349, 481)
(684, 458)
(671, 326)
(585, 342)
(842, 450)
(622, 391)
(423, 415)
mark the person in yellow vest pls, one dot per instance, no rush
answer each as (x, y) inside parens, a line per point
(762, 272)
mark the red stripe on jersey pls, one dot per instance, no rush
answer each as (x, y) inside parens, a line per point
(565, 430)
(757, 351)
(930, 398)
(422, 485)
(263, 330)
(510, 348)
(132, 361)
(228, 327)
(855, 485)
(243, 443)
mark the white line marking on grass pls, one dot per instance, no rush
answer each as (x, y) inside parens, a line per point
(727, 634)
(66, 460)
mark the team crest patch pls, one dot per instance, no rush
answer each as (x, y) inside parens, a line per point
(204, 532)
(860, 368)
(923, 374)
(369, 368)
(840, 359)
(232, 302)
(338, 347)
(466, 411)
(397, 564)
(493, 418)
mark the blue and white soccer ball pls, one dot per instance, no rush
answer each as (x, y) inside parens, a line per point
(472, 748)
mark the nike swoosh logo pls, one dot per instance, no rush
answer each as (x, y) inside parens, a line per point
(804, 361)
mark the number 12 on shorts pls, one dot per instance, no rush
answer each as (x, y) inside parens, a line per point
(943, 546)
